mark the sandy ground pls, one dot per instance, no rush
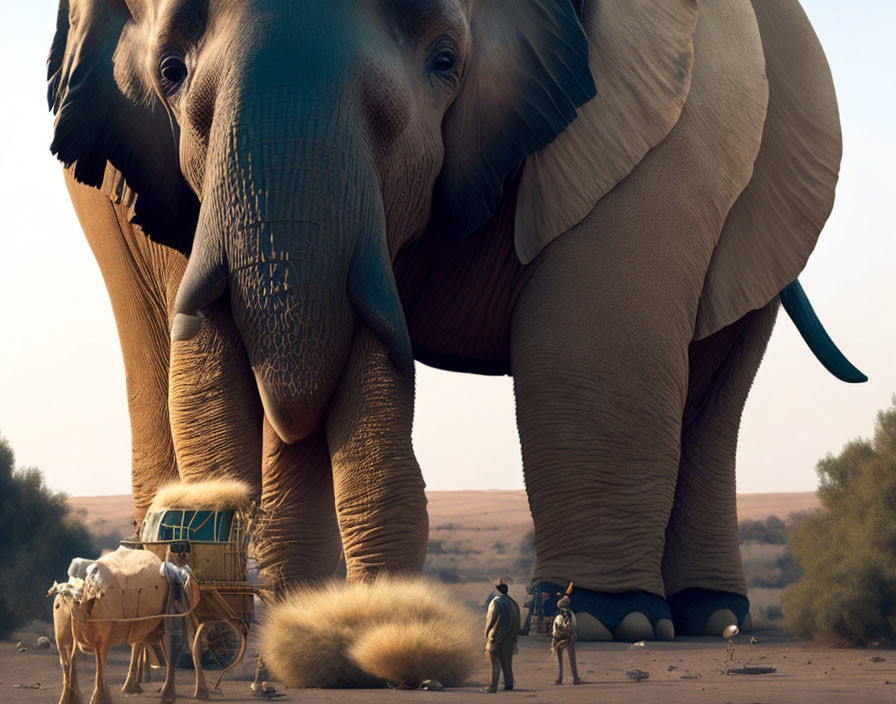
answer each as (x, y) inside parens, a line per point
(686, 671)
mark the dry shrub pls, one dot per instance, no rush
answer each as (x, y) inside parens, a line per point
(212, 495)
(408, 653)
(401, 630)
(847, 551)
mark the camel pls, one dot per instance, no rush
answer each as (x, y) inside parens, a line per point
(122, 600)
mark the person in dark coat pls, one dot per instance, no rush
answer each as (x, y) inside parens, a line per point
(502, 624)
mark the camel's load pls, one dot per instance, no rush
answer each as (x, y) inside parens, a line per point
(132, 584)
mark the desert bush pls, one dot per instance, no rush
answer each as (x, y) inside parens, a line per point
(847, 551)
(38, 538)
(448, 574)
(525, 549)
(769, 531)
(768, 566)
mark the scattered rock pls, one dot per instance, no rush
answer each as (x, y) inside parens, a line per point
(431, 686)
(877, 658)
(637, 675)
(730, 631)
(752, 670)
(263, 689)
(43, 643)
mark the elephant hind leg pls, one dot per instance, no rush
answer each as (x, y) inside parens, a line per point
(702, 567)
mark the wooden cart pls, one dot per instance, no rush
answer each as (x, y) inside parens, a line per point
(214, 543)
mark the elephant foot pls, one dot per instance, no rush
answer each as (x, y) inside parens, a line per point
(704, 612)
(625, 616)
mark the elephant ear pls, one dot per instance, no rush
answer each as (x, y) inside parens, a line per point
(642, 55)
(526, 74)
(103, 114)
(773, 226)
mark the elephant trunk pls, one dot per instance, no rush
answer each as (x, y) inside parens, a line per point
(292, 224)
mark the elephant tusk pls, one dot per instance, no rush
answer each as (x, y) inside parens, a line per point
(185, 326)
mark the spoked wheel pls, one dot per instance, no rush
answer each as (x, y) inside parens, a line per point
(222, 646)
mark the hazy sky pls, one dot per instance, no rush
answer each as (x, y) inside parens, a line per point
(62, 397)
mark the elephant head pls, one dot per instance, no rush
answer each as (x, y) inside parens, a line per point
(292, 148)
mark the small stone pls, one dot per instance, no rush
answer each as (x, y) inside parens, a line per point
(877, 658)
(692, 677)
(753, 640)
(637, 675)
(671, 667)
(431, 686)
(639, 644)
(43, 643)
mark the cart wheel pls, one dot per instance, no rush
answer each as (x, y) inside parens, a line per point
(223, 647)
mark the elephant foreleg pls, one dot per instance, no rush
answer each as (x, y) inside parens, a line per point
(702, 567)
(299, 540)
(380, 503)
(599, 357)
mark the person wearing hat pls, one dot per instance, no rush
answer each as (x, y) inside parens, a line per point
(563, 637)
(502, 624)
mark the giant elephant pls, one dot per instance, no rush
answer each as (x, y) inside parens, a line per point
(290, 201)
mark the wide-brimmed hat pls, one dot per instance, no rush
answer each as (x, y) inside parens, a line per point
(501, 581)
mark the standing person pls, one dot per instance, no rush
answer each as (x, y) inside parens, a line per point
(563, 637)
(502, 624)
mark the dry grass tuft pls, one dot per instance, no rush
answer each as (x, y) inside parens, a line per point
(212, 495)
(351, 635)
(408, 653)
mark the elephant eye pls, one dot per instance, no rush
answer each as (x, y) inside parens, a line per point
(443, 61)
(172, 72)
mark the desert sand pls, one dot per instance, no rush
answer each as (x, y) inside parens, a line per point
(687, 671)
(506, 508)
